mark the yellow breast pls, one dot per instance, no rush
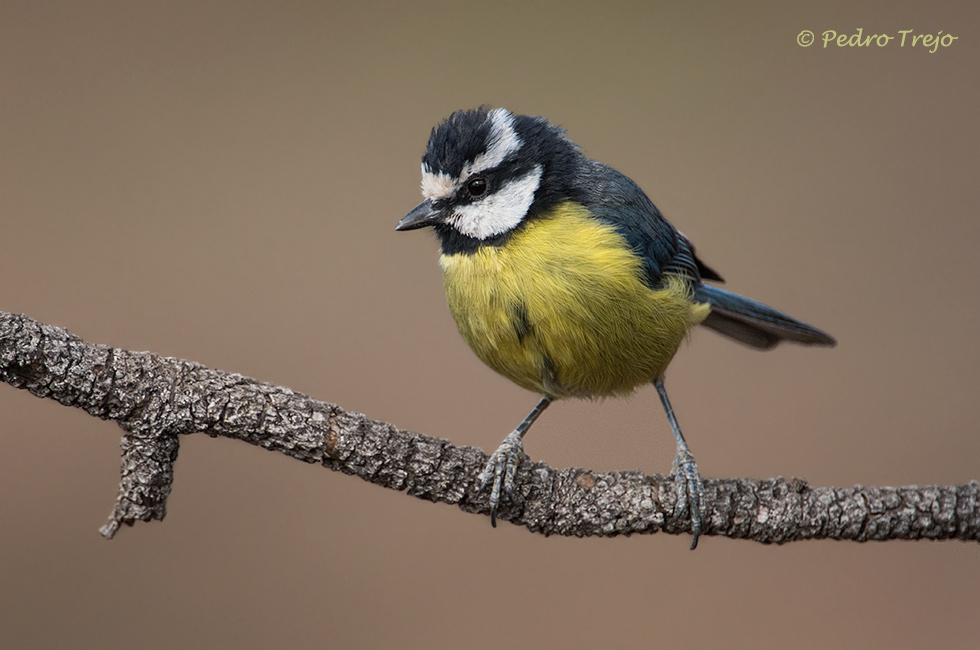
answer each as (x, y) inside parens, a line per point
(561, 308)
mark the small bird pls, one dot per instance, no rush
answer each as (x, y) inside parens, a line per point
(565, 278)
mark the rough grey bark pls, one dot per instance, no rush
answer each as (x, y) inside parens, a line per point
(156, 399)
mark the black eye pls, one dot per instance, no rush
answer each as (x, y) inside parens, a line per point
(477, 186)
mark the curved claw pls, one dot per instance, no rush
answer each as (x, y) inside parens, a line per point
(686, 470)
(502, 467)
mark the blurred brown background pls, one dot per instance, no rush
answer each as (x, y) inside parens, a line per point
(220, 182)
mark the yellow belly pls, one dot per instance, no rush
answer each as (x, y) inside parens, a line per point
(561, 309)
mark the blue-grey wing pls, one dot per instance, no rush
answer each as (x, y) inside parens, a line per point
(615, 198)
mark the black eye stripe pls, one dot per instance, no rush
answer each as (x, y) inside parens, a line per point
(495, 178)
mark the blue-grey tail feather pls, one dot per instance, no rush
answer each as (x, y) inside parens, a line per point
(753, 323)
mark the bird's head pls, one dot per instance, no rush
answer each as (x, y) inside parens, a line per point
(486, 171)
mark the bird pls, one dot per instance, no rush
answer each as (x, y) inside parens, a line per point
(564, 277)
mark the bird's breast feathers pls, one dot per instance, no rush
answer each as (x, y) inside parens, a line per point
(561, 308)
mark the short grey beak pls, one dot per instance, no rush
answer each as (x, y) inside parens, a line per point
(423, 215)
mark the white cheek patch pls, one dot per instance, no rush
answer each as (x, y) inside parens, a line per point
(499, 212)
(436, 186)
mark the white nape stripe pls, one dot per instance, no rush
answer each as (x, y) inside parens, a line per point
(436, 186)
(501, 142)
(499, 212)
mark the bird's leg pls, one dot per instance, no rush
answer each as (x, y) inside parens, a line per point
(503, 463)
(684, 467)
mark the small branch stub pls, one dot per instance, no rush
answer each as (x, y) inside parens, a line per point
(147, 476)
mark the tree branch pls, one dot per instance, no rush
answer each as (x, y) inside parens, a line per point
(156, 399)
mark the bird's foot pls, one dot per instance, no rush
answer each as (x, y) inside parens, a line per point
(685, 470)
(501, 468)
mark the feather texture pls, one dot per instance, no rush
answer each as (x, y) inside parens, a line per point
(564, 308)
